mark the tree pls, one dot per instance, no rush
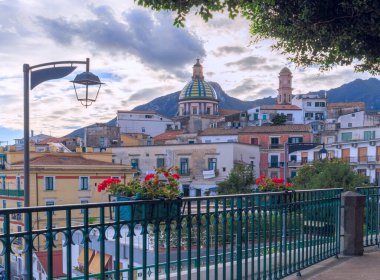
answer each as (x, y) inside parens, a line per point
(326, 33)
(279, 119)
(240, 180)
(329, 174)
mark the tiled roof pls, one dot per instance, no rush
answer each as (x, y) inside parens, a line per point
(169, 135)
(57, 261)
(64, 159)
(198, 89)
(280, 107)
(277, 128)
(226, 112)
(346, 104)
(218, 131)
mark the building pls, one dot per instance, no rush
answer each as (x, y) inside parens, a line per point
(334, 110)
(101, 135)
(201, 166)
(314, 107)
(271, 140)
(198, 104)
(219, 135)
(146, 122)
(358, 119)
(135, 139)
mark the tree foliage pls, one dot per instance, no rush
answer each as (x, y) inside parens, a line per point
(240, 180)
(310, 32)
(279, 119)
(329, 174)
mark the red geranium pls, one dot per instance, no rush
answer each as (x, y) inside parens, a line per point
(272, 184)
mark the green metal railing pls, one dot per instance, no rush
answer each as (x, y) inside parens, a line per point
(9, 192)
(255, 236)
(371, 215)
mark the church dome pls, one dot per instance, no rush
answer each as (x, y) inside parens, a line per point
(285, 71)
(198, 89)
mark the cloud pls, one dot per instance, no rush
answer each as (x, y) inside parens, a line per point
(229, 50)
(247, 63)
(152, 38)
(245, 87)
(147, 94)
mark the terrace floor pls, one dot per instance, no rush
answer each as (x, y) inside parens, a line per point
(365, 267)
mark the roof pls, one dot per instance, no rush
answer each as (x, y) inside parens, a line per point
(198, 89)
(226, 112)
(346, 104)
(64, 159)
(218, 131)
(277, 128)
(169, 135)
(285, 70)
(57, 260)
(137, 112)
(280, 107)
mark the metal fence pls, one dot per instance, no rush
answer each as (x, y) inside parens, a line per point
(255, 236)
(371, 215)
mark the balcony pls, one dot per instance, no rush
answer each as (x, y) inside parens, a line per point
(10, 192)
(275, 164)
(242, 236)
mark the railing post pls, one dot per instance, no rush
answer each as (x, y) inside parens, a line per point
(353, 217)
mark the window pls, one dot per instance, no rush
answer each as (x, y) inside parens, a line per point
(308, 104)
(160, 162)
(212, 164)
(319, 116)
(84, 183)
(346, 136)
(293, 173)
(273, 161)
(264, 117)
(135, 163)
(349, 124)
(369, 135)
(320, 104)
(274, 142)
(4, 204)
(254, 141)
(49, 183)
(309, 115)
(143, 129)
(362, 171)
(293, 158)
(18, 204)
(289, 117)
(186, 190)
(83, 201)
(208, 110)
(3, 182)
(293, 140)
(18, 240)
(184, 166)
(149, 116)
(195, 110)
(102, 142)
(18, 183)
(274, 175)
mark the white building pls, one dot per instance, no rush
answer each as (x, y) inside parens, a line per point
(358, 119)
(218, 135)
(201, 166)
(314, 107)
(147, 122)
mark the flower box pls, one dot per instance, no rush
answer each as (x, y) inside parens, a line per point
(149, 210)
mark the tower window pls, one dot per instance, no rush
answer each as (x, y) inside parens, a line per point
(195, 111)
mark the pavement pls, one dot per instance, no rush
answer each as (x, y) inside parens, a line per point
(366, 267)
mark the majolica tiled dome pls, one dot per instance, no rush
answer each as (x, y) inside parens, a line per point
(198, 89)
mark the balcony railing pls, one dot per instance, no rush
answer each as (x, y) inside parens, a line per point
(9, 192)
(275, 164)
(260, 236)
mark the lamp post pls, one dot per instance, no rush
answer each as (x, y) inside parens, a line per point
(33, 76)
(37, 74)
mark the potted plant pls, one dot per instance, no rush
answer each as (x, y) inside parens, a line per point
(158, 192)
(273, 185)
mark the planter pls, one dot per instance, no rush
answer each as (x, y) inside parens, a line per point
(149, 210)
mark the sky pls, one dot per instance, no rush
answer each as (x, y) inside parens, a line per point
(137, 53)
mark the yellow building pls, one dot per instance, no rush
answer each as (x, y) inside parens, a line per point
(56, 179)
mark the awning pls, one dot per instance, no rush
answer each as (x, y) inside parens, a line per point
(95, 263)
(81, 256)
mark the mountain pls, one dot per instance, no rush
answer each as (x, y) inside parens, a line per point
(168, 105)
(367, 91)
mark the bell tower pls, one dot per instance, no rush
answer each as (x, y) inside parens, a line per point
(285, 87)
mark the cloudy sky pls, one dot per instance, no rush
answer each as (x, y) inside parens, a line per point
(138, 53)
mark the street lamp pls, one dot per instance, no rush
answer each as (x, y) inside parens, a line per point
(84, 84)
(323, 153)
